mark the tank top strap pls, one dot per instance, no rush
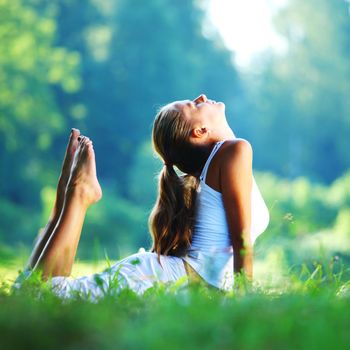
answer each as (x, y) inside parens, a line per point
(207, 163)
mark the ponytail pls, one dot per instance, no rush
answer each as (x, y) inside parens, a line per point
(171, 219)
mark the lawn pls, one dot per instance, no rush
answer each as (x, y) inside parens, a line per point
(308, 310)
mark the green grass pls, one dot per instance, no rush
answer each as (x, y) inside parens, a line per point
(309, 310)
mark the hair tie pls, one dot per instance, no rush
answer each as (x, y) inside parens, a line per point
(167, 164)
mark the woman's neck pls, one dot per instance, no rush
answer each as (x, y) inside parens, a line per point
(226, 134)
(229, 134)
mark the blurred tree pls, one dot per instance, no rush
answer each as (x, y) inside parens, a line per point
(29, 66)
(302, 96)
(143, 190)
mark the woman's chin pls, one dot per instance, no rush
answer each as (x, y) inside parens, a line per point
(221, 104)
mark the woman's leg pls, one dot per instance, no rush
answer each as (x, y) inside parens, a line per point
(83, 189)
(46, 232)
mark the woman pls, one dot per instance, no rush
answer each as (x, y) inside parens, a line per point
(203, 224)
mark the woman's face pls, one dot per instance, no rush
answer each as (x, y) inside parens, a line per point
(206, 117)
(201, 111)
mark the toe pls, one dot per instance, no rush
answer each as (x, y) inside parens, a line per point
(75, 133)
(90, 150)
(86, 141)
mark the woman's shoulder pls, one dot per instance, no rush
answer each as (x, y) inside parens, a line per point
(235, 150)
(235, 165)
(232, 155)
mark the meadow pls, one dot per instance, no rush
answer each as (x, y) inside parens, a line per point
(306, 308)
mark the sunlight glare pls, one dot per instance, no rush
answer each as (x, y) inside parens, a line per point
(245, 26)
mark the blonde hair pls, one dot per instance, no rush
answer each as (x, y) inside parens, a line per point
(171, 219)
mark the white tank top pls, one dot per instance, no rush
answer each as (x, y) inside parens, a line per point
(211, 253)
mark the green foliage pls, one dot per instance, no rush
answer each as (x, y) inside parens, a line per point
(26, 223)
(301, 96)
(31, 65)
(143, 176)
(306, 220)
(297, 207)
(119, 226)
(342, 223)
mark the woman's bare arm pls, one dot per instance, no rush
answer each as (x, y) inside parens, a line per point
(236, 180)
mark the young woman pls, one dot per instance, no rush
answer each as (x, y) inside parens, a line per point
(204, 222)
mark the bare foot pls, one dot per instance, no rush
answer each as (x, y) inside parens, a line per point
(68, 157)
(66, 169)
(83, 179)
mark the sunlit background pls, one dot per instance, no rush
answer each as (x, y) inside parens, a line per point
(246, 27)
(105, 66)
